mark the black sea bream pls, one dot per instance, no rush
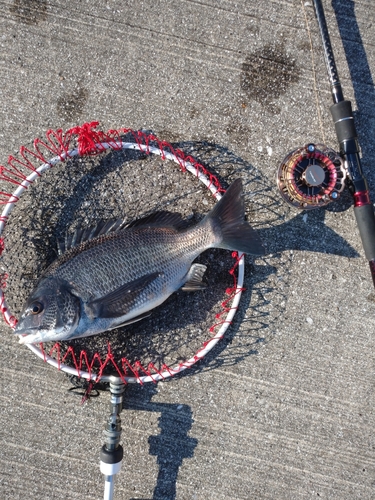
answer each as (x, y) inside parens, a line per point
(116, 278)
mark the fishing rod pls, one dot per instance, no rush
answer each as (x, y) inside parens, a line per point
(315, 175)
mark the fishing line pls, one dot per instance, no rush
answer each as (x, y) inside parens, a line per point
(314, 73)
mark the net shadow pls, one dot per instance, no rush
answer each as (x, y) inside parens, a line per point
(129, 184)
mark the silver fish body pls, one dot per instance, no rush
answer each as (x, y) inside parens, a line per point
(118, 277)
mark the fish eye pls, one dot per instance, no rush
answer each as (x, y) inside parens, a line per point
(36, 308)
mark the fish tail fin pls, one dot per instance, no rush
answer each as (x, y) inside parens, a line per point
(227, 221)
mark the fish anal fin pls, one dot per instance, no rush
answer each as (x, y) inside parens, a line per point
(194, 278)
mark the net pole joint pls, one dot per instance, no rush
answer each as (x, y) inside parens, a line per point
(111, 453)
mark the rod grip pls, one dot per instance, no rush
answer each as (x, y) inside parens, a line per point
(372, 269)
(343, 119)
(366, 224)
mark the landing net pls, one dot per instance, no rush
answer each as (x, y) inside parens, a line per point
(78, 177)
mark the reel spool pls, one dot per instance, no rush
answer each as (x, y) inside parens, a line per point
(311, 177)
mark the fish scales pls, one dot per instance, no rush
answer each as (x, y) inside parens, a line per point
(103, 264)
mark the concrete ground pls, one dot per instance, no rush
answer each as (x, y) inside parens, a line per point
(285, 409)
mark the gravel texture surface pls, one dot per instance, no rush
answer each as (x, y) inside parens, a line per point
(282, 408)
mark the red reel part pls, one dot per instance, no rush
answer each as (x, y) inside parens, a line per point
(311, 177)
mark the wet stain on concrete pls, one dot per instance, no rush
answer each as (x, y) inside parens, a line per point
(29, 11)
(70, 105)
(237, 131)
(253, 28)
(267, 74)
(194, 112)
(305, 46)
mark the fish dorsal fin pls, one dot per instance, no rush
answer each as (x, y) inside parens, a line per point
(160, 219)
(157, 219)
(81, 235)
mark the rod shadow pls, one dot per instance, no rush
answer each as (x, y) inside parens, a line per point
(362, 80)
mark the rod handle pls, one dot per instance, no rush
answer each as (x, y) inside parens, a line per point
(372, 269)
(343, 119)
(366, 225)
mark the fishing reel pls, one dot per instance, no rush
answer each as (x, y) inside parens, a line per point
(311, 177)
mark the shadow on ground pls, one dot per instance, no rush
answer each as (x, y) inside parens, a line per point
(172, 445)
(129, 184)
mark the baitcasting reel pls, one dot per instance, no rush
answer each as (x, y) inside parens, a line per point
(311, 176)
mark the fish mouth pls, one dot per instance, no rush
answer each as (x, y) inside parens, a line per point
(27, 333)
(27, 338)
(35, 336)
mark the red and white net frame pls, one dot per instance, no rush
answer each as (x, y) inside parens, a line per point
(84, 141)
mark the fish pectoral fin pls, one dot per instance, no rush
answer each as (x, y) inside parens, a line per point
(133, 320)
(194, 278)
(119, 302)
